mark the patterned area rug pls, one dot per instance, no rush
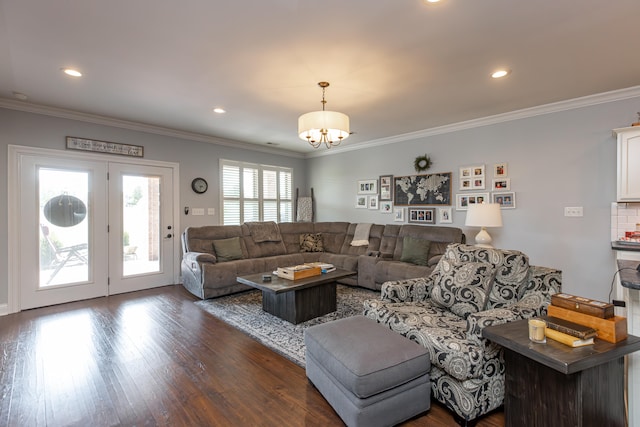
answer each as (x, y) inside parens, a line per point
(244, 312)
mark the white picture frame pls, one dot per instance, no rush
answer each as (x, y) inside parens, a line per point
(368, 186)
(501, 184)
(445, 215)
(361, 202)
(477, 183)
(386, 207)
(373, 202)
(500, 170)
(398, 214)
(464, 200)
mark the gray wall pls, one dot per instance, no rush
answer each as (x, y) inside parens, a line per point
(554, 160)
(195, 159)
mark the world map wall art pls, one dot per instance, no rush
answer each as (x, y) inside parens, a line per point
(417, 190)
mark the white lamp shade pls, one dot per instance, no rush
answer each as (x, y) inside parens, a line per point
(484, 215)
(313, 124)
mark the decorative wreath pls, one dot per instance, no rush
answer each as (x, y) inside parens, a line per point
(422, 163)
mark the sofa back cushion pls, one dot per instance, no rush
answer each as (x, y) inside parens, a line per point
(512, 268)
(388, 239)
(263, 248)
(463, 288)
(200, 239)
(333, 235)
(375, 235)
(439, 237)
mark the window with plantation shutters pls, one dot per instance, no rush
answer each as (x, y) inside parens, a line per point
(253, 192)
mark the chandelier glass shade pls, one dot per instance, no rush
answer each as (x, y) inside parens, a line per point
(328, 127)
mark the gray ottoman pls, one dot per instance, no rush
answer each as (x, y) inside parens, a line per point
(369, 374)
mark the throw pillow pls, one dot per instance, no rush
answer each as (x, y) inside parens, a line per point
(228, 249)
(311, 242)
(463, 288)
(415, 251)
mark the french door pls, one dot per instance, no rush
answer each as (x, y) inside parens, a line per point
(89, 227)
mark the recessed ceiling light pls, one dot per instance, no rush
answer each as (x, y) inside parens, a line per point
(500, 73)
(432, 1)
(219, 110)
(72, 72)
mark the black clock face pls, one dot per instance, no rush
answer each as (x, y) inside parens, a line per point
(199, 185)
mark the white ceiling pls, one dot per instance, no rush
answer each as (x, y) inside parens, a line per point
(395, 66)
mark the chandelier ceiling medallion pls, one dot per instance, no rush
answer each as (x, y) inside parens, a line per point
(329, 127)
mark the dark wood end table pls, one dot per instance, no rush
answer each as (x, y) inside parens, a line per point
(297, 301)
(553, 384)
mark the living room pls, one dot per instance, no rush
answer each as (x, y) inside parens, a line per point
(560, 153)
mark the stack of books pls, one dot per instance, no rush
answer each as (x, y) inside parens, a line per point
(579, 320)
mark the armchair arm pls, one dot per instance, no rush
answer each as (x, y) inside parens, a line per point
(409, 290)
(531, 305)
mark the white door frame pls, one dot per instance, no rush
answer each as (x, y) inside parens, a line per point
(14, 242)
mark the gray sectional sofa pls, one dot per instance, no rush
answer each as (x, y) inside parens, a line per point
(259, 247)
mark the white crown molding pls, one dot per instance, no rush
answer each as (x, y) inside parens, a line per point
(135, 126)
(585, 101)
(571, 104)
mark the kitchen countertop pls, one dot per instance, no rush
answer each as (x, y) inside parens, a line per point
(617, 246)
(629, 275)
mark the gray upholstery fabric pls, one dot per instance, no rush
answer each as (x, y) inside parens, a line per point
(364, 356)
(369, 377)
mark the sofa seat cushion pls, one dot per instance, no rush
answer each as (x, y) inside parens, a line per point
(386, 270)
(440, 331)
(345, 262)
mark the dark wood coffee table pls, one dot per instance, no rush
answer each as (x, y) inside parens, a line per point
(297, 301)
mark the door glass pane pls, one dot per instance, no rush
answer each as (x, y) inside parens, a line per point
(141, 231)
(64, 226)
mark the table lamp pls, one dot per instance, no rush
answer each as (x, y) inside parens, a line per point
(484, 215)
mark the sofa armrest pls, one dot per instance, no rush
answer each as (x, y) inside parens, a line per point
(531, 305)
(409, 290)
(199, 258)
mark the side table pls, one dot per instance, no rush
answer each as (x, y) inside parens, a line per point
(553, 384)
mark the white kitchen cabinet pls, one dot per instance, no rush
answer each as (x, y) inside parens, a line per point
(628, 164)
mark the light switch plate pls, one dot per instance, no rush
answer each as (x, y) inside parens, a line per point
(573, 211)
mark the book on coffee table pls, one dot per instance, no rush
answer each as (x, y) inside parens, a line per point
(298, 272)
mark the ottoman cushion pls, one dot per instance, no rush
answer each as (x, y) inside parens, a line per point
(365, 357)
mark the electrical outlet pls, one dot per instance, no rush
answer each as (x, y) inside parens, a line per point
(573, 211)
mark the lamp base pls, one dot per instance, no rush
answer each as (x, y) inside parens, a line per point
(483, 239)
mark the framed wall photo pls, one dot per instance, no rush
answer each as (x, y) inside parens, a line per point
(500, 170)
(506, 200)
(361, 202)
(501, 184)
(478, 171)
(386, 187)
(464, 200)
(398, 214)
(373, 202)
(466, 172)
(477, 183)
(445, 215)
(386, 207)
(368, 186)
(420, 190)
(422, 215)
(465, 184)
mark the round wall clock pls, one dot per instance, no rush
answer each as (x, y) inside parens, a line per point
(199, 185)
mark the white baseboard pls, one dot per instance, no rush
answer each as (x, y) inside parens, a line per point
(4, 309)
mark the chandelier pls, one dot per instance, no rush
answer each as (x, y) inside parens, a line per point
(329, 127)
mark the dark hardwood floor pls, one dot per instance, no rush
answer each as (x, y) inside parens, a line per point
(154, 358)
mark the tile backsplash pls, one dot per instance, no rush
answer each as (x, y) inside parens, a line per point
(624, 217)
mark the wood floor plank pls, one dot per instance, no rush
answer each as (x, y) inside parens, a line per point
(153, 358)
